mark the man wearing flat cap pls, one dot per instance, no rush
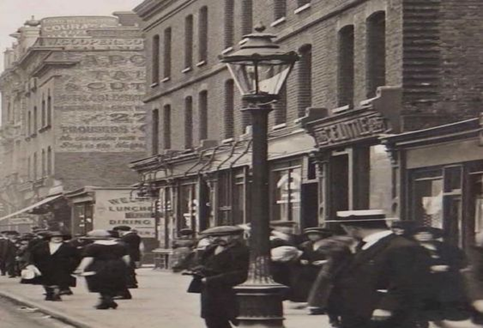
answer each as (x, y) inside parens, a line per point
(224, 264)
(382, 285)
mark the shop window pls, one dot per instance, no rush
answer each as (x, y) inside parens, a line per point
(428, 201)
(376, 52)
(155, 132)
(247, 16)
(476, 186)
(304, 82)
(155, 59)
(380, 195)
(280, 9)
(188, 123)
(225, 192)
(203, 35)
(346, 66)
(188, 41)
(189, 207)
(286, 186)
(239, 200)
(167, 53)
(229, 23)
(203, 115)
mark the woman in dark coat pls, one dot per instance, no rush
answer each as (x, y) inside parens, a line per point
(446, 299)
(309, 264)
(105, 266)
(56, 260)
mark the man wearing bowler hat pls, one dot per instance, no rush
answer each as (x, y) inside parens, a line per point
(382, 286)
(224, 264)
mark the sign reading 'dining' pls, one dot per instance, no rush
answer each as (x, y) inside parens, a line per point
(75, 25)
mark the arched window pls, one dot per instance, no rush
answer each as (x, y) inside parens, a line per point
(188, 41)
(203, 35)
(155, 132)
(155, 60)
(43, 112)
(247, 17)
(167, 52)
(29, 124)
(346, 66)
(43, 164)
(35, 120)
(49, 160)
(203, 114)
(35, 167)
(229, 126)
(376, 52)
(229, 23)
(304, 79)
(167, 126)
(188, 123)
(281, 107)
(49, 110)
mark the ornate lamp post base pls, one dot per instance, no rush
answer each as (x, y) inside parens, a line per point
(260, 305)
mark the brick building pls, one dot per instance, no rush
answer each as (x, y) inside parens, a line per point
(367, 69)
(72, 112)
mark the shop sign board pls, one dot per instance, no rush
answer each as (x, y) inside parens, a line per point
(116, 207)
(348, 129)
(73, 26)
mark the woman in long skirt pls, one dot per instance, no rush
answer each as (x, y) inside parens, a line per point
(105, 264)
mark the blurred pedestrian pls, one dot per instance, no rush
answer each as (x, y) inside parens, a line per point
(381, 285)
(323, 298)
(305, 270)
(447, 300)
(224, 264)
(56, 261)
(183, 250)
(105, 265)
(133, 242)
(10, 253)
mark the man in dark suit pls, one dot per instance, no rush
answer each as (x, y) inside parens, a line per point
(384, 283)
(224, 264)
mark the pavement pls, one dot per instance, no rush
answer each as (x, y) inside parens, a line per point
(160, 301)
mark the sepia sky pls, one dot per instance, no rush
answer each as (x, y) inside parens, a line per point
(13, 13)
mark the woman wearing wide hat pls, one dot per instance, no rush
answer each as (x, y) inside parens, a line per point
(105, 263)
(447, 300)
(56, 260)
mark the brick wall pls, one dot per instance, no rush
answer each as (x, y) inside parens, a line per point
(77, 170)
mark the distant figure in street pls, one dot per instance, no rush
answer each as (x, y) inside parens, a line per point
(224, 264)
(133, 243)
(3, 252)
(10, 252)
(381, 286)
(56, 261)
(105, 266)
(183, 252)
(447, 300)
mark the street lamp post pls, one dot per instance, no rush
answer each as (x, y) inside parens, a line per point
(260, 69)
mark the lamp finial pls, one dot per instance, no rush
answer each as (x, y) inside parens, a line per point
(260, 27)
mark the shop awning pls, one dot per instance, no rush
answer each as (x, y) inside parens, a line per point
(31, 207)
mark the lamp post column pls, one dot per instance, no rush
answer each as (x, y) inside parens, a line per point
(260, 298)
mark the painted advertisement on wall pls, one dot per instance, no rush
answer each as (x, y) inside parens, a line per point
(99, 103)
(116, 207)
(72, 26)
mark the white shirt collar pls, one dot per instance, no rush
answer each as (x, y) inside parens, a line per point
(53, 247)
(375, 237)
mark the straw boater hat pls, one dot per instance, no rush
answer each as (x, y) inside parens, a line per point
(356, 216)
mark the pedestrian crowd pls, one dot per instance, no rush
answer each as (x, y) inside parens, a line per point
(107, 260)
(366, 271)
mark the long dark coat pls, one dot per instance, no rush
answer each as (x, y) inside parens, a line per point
(474, 278)
(447, 298)
(56, 268)
(390, 275)
(223, 271)
(133, 241)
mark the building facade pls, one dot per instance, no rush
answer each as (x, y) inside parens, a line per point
(72, 113)
(367, 69)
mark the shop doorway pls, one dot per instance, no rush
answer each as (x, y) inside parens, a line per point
(339, 184)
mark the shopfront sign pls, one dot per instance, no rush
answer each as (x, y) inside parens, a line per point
(117, 207)
(348, 129)
(73, 26)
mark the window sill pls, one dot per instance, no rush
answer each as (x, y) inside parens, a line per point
(166, 79)
(279, 126)
(201, 63)
(243, 41)
(279, 21)
(186, 70)
(340, 109)
(227, 50)
(227, 141)
(303, 8)
(153, 85)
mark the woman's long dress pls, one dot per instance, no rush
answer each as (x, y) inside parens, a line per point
(110, 269)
